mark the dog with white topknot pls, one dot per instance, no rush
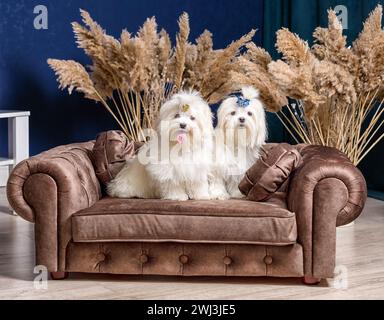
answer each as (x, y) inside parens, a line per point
(176, 162)
(241, 131)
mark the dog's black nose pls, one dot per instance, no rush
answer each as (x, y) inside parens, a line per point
(242, 120)
(183, 125)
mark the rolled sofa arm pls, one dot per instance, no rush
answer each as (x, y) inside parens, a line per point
(326, 191)
(47, 189)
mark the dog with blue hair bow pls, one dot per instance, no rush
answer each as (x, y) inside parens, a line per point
(241, 131)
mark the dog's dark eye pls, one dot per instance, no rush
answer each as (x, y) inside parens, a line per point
(250, 113)
(193, 118)
(233, 113)
(177, 115)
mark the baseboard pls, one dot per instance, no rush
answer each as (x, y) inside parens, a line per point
(3, 176)
(379, 195)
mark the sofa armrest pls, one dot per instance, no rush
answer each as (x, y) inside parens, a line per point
(47, 189)
(326, 191)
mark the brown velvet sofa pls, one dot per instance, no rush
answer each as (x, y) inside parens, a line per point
(78, 229)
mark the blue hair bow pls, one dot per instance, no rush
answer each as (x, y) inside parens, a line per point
(242, 102)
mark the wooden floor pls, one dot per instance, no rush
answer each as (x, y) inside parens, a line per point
(360, 253)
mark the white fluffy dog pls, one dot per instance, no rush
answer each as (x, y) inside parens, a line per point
(175, 163)
(240, 132)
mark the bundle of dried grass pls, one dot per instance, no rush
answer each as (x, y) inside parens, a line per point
(134, 75)
(339, 89)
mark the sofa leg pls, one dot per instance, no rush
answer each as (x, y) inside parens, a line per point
(311, 280)
(59, 275)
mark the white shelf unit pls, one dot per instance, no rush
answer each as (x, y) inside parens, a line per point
(18, 137)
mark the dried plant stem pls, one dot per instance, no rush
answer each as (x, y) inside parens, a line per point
(369, 149)
(105, 104)
(369, 135)
(379, 111)
(125, 105)
(365, 144)
(340, 136)
(146, 114)
(299, 126)
(345, 128)
(119, 113)
(135, 108)
(286, 127)
(318, 130)
(131, 128)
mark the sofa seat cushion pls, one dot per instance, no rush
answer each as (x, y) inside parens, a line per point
(214, 221)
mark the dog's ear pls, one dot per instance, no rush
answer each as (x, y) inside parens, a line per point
(222, 111)
(220, 116)
(204, 110)
(262, 136)
(167, 108)
(261, 125)
(208, 115)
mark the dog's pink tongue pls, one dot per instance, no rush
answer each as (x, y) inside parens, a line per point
(181, 137)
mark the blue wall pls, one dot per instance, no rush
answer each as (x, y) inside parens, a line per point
(26, 82)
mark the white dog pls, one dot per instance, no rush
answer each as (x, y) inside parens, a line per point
(175, 163)
(240, 132)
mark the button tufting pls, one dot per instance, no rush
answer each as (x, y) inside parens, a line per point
(227, 260)
(144, 258)
(268, 260)
(100, 257)
(183, 259)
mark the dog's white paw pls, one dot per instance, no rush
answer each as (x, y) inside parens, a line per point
(176, 197)
(224, 196)
(201, 197)
(236, 194)
(220, 195)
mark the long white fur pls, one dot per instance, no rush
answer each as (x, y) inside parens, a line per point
(180, 175)
(237, 147)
